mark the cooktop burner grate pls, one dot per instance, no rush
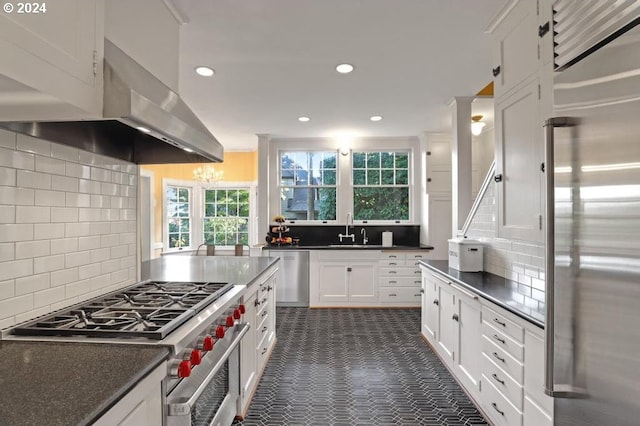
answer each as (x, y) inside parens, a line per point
(151, 310)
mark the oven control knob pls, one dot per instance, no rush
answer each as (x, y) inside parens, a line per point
(207, 343)
(180, 369)
(195, 357)
(230, 321)
(237, 314)
(242, 309)
(220, 332)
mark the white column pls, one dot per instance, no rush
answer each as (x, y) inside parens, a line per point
(262, 213)
(461, 195)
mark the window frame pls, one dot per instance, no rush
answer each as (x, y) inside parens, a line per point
(204, 209)
(197, 213)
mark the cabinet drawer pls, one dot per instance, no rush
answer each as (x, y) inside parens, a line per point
(534, 415)
(400, 281)
(502, 340)
(503, 324)
(501, 411)
(392, 255)
(416, 256)
(392, 263)
(511, 389)
(404, 294)
(506, 362)
(399, 271)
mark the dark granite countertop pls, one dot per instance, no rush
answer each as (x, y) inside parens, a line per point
(239, 270)
(346, 247)
(68, 384)
(499, 290)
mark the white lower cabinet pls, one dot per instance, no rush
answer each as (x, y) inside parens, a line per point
(142, 406)
(257, 343)
(347, 282)
(496, 356)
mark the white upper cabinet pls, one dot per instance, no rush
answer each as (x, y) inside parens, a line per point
(52, 60)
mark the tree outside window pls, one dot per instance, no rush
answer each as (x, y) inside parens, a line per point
(380, 185)
(179, 216)
(226, 216)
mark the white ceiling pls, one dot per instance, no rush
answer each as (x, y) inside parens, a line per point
(275, 60)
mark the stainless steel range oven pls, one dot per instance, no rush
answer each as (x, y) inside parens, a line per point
(200, 321)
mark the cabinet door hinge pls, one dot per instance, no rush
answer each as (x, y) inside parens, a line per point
(540, 222)
(95, 62)
(539, 92)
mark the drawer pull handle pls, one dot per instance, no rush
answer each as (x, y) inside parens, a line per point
(392, 264)
(417, 272)
(264, 351)
(422, 290)
(264, 329)
(392, 294)
(392, 272)
(393, 282)
(496, 356)
(497, 379)
(495, 336)
(436, 302)
(263, 314)
(497, 321)
(495, 407)
(418, 295)
(455, 317)
(393, 256)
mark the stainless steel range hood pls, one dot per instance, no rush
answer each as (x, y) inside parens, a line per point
(133, 100)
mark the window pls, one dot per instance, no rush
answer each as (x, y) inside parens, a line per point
(179, 216)
(226, 216)
(380, 185)
(308, 185)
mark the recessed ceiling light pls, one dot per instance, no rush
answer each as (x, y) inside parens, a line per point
(375, 118)
(187, 149)
(143, 129)
(303, 119)
(205, 71)
(344, 68)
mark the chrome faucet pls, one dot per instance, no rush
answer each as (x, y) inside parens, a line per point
(365, 239)
(346, 230)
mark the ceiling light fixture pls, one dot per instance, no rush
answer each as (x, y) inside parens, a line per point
(205, 71)
(207, 174)
(187, 149)
(304, 119)
(476, 125)
(143, 129)
(375, 118)
(344, 68)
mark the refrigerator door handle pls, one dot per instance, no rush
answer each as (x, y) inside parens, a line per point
(549, 161)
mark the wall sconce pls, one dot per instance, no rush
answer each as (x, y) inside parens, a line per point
(476, 125)
(344, 151)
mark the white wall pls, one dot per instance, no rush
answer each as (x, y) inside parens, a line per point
(67, 226)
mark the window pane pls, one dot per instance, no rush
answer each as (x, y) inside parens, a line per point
(327, 204)
(183, 209)
(233, 209)
(359, 177)
(373, 160)
(184, 225)
(183, 195)
(387, 177)
(382, 203)
(209, 196)
(172, 194)
(373, 177)
(329, 177)
(402, 160)
(173, 225)
(243, 210)
(402, 177)
(387, 160)
(359, 160)
(221, 210)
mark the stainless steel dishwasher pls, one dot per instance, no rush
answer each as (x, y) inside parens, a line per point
(292, 288)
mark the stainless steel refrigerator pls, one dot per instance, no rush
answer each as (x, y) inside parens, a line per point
(593, 215)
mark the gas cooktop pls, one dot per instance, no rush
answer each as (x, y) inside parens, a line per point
(150, 309)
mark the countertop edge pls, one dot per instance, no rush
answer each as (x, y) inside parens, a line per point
(486, 296)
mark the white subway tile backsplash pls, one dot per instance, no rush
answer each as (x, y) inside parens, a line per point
(8, 139)
(8, 289)
(15, 232)
(45, 197)
(7, 176)
(12, 195)
(64, 152)
(48, 263)
(32, 214)
(32, 249)
(48, 231)
(50, 165)
(49, 296)
(29, 179)
(16, 269)
(64, 214)
(7, 214)
(65, 183)
(31, 284)
(64, 276)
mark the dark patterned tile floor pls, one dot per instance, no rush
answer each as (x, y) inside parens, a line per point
(356, 367)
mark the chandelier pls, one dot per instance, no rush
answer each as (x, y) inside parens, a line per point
(207, 174)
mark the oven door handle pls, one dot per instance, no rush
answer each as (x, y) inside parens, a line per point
(184, 407)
